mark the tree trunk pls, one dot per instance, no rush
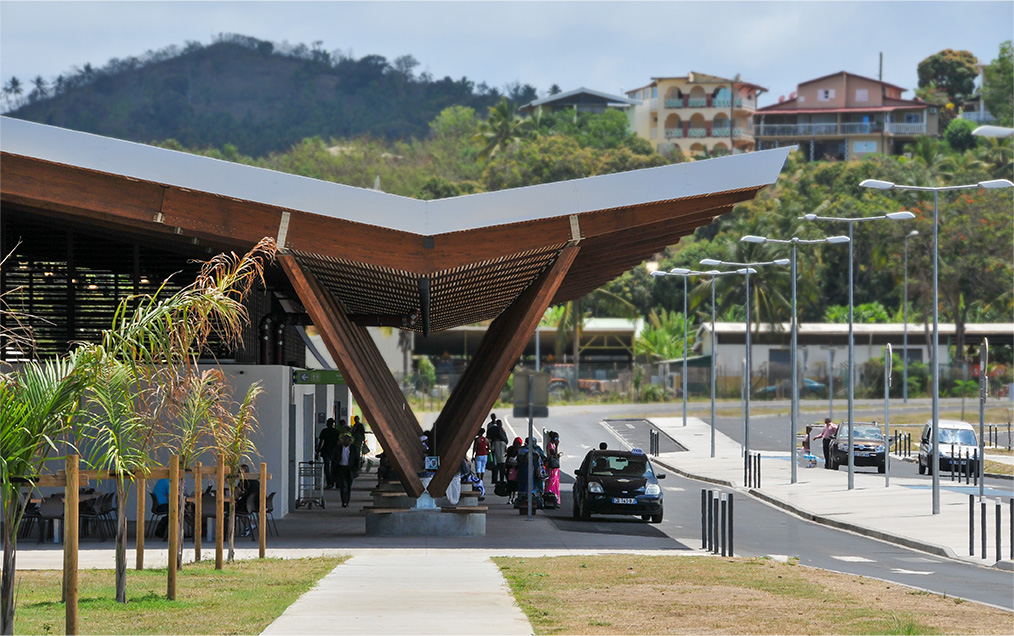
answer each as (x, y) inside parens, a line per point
(182, 522)
(577, 346)
(7, 581)
(121, 541)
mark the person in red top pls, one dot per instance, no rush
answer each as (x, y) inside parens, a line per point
(480, 453)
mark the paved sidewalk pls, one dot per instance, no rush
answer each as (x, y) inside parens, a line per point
(900, 513)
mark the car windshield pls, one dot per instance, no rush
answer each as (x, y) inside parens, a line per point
(957, 436)
(619, 466)
(863, 431)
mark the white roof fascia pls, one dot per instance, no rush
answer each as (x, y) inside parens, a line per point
(841, 328)
(360, 205)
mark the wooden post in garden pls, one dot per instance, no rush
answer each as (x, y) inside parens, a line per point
(198, 518)
(261, 503)
(70, 536)
(142, 494)
(174, 519)
(219, 510)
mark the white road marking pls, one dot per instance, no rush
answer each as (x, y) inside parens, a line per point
(853, 559)
(630, 426)
(918, 559)
(904, 571)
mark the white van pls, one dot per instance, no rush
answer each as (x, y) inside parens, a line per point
(955, 437)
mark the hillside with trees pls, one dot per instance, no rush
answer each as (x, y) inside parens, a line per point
(253, 94)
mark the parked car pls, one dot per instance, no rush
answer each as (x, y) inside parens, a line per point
(870, 447)
(783, 389)
(955, 437)
(616, 482)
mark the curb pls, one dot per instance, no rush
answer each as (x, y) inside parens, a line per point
(907, 542)
(912, 460)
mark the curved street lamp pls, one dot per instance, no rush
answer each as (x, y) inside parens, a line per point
(746, 269)
(794, 242)
(893, 216)
(876, 184)
(684, 273)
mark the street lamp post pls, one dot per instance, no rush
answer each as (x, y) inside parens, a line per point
(904, 345)
(935, 422)
(746, 269)
(685, 274)
(794, 416)
(894, 216)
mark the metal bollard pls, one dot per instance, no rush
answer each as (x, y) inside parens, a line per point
(746, 470)
(999, 551)
(982, 505)
(711, 522)
(971, 525)
(758, 480)
(1010, 519)
(979, 467)
(952, 462)
(732, 523)
(704, 527)
(725, 521)
(715, 518)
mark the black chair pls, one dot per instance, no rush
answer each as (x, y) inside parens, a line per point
(158, 512)
(269, 511)
(247, 517)
(90, 516)
(50, 510)
(28, 519)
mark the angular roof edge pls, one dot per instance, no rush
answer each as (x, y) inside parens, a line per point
(577, 91)
(427, 218)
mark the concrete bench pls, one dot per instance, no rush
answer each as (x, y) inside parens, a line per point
(464, 509)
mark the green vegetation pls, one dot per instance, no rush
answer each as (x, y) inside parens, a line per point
(242, 599)
(999, 90)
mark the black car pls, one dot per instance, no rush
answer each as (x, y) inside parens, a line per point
(616, 482)
(869, 443)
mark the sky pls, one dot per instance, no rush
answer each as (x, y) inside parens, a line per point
(606, 46)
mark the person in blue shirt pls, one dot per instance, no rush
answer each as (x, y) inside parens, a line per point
(161, 492)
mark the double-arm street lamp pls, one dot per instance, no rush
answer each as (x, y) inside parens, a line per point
(685, 274)
(935, 362)
(904, 346)
(794, 242)
(894, 216)
(746, 269)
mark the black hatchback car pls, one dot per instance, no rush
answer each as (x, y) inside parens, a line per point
(616, 482)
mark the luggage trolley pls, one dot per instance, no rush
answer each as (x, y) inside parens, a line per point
(311, 485)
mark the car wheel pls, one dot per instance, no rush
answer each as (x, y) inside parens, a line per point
(834, 462)
(922, 469)
(645, 517)
(585, 513)
(882, 468)
(575, 511)
(657, 518)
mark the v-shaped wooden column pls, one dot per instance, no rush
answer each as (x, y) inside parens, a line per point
(486, 374)
(372, 384)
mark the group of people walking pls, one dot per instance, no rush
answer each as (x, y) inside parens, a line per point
(508, 461)
(341, 451)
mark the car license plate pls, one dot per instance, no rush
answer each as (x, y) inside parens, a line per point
(624, 500)
(863, 454)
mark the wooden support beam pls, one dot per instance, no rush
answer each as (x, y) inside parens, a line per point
(219, 509)
(481, 382)
(262, 504)
(142, 496)
(174, 521)
(198, 512)
(70, 539)
(372, 384)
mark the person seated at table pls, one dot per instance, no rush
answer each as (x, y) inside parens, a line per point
(161, 492)
(247, 491)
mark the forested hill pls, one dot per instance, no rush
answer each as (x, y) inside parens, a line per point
(250, 93)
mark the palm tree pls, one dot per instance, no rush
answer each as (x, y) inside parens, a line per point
(502, 128)
(927, 150)
(998, 156)
(13, 90)
(662, 338)
(231, 435)
(37, 405)
(40, 90)
(120, 433)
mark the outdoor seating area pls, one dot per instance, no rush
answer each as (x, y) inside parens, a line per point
(96, 514)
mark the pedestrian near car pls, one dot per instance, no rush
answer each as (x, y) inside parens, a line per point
(830, 428)
(553, 463)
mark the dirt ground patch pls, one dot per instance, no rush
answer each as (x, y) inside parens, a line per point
(634, 594)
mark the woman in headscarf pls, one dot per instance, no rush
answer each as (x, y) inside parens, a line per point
(512, 469)
(553, 464)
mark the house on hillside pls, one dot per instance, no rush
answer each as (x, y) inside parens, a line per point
(845, 116)
(697, 114)
(580, 100)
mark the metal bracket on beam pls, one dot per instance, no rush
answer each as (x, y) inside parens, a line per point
(575, 230)
(283, 229)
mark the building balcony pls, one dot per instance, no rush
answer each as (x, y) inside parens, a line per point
(697, 132)
(697, 102)
(721, 132)
(741, 132)
(907, 129)
(674, 103)
(979, 117)
(673, 133)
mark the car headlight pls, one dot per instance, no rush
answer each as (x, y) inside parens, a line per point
(653, 490)
(843, 446)
(878, 448)
(595, 487)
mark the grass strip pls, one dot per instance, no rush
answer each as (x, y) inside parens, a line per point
(636, 594)
(243, 598)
